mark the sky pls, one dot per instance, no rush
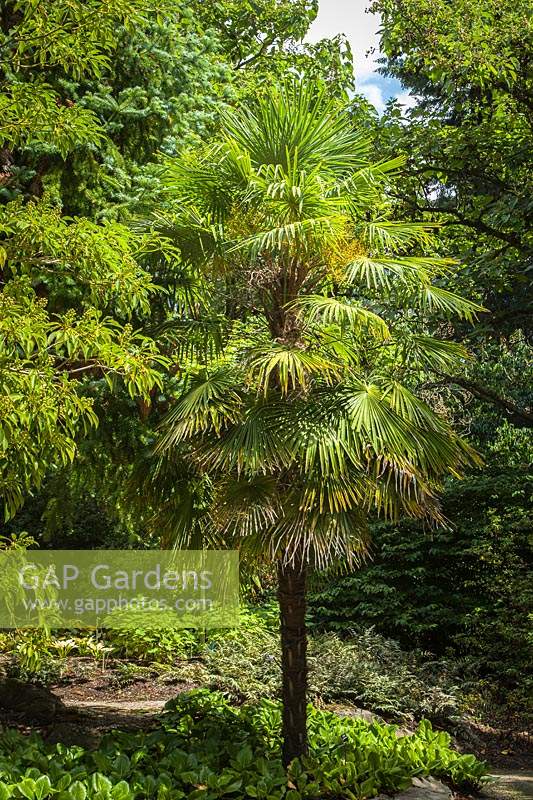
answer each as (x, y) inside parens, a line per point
(349, 17)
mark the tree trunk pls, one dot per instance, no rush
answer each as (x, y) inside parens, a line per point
(291, 593)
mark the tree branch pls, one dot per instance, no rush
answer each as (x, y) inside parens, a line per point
(244, 62)
(519, 417)
(476, 224)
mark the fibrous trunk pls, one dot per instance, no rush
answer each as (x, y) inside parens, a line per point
(291, 592)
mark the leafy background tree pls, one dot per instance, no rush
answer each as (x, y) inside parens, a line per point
(70, 287)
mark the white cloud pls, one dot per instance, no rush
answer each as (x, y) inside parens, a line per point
(349, 17)
(361, 28)
(374, 95)
(406, 99)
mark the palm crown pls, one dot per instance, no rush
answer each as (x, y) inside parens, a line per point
(307, 420)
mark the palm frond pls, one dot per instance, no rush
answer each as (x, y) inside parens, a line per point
(320, 538)
(196, 234)
(334, 493)
(211, 177)
(330, 310)
(319, 439)
(391, 236)
(438, 300)
(400, 489)
(300, 236)
(376, 272)
(298, 117)
(334, 341)
(386, 433)
(408, 406)
(421, 351)
(384, 430)
(288, 368)
(254, 445)
(193, 340)
(363, 187)
(171, 498)
(210, 403)
(246, 506)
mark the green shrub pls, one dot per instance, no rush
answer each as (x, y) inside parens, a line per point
(146, 643)
(205, 749)
(375, 673)
(466, 590)
(33, 658)
(139, 640)
(245, 664)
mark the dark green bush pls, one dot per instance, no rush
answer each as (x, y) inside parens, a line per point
(466, 590)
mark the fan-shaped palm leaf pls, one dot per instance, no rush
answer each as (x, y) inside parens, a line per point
(434, 298)
(420, 351)
(210, 403)
(387, 235)
(376, 272)
(297, 118)
(255, 445)
(328, 310)
(286, 368)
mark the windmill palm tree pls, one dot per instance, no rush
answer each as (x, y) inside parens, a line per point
(307, 421)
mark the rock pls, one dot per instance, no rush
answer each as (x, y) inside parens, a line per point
(422, 789)
(508, 785)
(359, 713)
(32, 702)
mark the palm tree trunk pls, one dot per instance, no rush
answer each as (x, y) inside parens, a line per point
(292, 605)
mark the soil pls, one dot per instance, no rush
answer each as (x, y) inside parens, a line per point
(98, 690)
(511, 785)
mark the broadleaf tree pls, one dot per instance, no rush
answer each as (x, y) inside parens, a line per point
(71, 291)
(469, 134)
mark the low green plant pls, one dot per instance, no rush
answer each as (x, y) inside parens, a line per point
(245, 663)
(142, 641)
(205, 749)
(90, 646)
(364, 669)
(376, 673)
(33, 658)
(147, 643)
(127, 673)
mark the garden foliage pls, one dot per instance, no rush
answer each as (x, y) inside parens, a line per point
(203, 749)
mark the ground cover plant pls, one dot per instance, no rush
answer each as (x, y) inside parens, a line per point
(203, 748)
